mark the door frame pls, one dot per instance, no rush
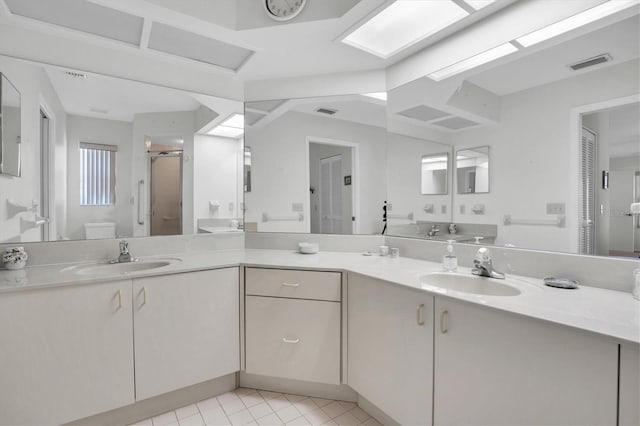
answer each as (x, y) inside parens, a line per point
(150, 156)
(47, 183)
(575, 129)
(355, 177)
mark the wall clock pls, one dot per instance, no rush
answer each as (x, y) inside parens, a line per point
(283, 10)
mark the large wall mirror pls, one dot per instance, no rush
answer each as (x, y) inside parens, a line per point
(105, 157)
(317, 165)
(10, 129)
(550, 133)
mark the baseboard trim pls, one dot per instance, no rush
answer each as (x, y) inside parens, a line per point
(375, 412)
(161, 404)
(317, 390)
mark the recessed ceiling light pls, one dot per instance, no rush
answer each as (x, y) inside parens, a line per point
(377, 95)
(479, 4)
(575, 21)
(236, 120)
(474, 61)
(232, 127)
(402, 24)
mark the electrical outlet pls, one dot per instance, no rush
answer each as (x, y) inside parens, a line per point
(443, 209)
(462, 209)
(389, 207)
(297, 207)
(555, 208)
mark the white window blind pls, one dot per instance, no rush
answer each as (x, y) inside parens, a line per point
(587, 193)
(97, 174)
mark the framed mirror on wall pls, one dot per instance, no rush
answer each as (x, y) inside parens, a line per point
(110, 157)
(527, 111)
(317, 165)
(10, 127)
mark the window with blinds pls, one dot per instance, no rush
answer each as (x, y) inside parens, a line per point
(97, 174)
(587, 193)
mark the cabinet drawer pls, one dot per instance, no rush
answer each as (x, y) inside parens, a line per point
(313, 285)
(294, 339)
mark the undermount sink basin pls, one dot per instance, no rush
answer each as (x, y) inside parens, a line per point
(469, 284)
(119, 268)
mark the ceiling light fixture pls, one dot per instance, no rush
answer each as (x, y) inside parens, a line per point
(232, 127)
(583, 18)
(479, 4)
(474, 61)
(402, 24)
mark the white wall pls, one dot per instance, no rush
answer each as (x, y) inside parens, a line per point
(404, 170)
(280, 169)
(10, 139)
(181, 124)
(100, 131)
(533, 159)
(316, 153)
(216, 164)
(35, 90)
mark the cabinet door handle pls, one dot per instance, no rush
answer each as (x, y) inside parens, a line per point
(291, 284)
(144, 296)
(286, 340)
(119, 296)
(419, 310)
(443, 322)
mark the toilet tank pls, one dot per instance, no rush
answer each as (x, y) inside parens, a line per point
(98, 231)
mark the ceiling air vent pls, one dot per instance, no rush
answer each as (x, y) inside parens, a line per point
(75, 74)
(327, 111)
(600, 59)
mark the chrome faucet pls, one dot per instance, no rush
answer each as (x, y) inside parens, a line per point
(125, 256)
(483, 265)
(433, 232)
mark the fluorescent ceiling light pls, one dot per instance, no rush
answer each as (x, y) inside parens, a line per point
(575, 21)
(427, 160)
(377, 95)
(479, 4)
(236, 120)
(474, 61)
(402, 24)
(232, 127)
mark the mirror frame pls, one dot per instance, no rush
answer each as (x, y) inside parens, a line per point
(446, 176)
(455, 170)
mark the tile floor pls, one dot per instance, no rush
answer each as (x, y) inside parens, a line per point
(253, 407)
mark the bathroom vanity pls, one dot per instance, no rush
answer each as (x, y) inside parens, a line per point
(332, 320)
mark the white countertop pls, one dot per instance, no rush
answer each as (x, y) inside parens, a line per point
(611, 313)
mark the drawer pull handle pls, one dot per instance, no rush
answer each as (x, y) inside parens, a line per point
(285, 340)
(291, 284)
(419, 310)
(144, 296)
(443, 322)
(119, 296)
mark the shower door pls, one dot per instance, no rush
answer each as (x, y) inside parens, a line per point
(166, 193)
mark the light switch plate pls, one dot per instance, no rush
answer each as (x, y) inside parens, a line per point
(297, 207)
(555, 208)
(462, 209)
(443, 209)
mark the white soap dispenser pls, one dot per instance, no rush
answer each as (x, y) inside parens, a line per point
(449, 260)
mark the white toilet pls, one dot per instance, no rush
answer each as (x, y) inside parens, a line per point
(99, 231)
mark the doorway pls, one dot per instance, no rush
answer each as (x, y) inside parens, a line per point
(332, 186)
(165, 193)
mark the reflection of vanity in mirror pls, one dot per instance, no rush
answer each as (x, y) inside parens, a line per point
(123, 159)
(525, 115)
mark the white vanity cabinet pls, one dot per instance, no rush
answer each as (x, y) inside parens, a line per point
(66, 353)
(186, 329)
(390, 335)
(493, 367)
(292, 324)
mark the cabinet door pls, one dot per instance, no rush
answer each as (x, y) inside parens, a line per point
(293, 338)
(67, 353)
(496, 368)
(390, 348)
(629, 385)
(186, 329)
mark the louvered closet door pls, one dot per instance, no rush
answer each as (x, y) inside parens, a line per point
(587, 193)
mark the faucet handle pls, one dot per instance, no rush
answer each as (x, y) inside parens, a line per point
(483, 255)
(124, 246)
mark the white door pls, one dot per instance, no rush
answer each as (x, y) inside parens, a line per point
(621, 183)
(186, 329)
(66, 353)
(390, 342)
(496, 368)
(331, 195)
